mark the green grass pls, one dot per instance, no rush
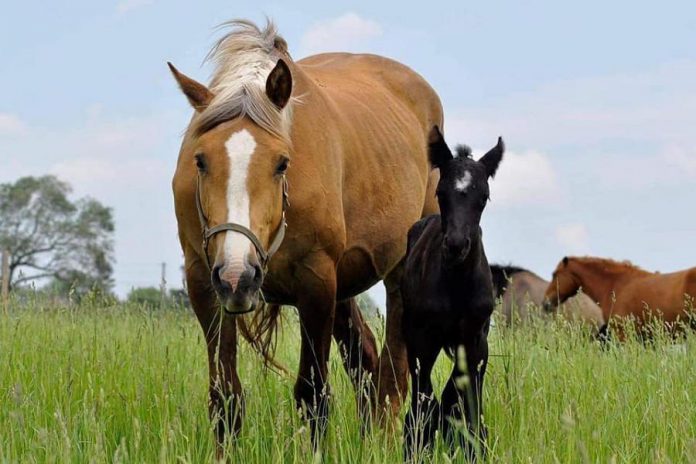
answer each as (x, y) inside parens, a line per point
(127, 385)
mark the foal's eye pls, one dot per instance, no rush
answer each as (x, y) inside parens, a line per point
(282, 166)
(200, 162)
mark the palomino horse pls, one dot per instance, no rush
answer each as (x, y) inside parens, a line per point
(448, 301)
(335, 148)
(522, 293)
(623, 290)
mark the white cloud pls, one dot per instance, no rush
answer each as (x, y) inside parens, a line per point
(11, 124)
(573, 238)
(126, 6)
(525, 179)
(348, 32)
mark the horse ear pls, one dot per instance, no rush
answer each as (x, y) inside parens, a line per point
(492, 159)
(199, 96)
(438, 151)
(279, 84)
(565, 260)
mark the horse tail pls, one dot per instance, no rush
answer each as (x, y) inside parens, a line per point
(260, 330)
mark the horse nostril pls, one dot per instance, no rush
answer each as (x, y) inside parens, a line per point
(216, 277)
(455, 247)
(215, 274)
(257, 273)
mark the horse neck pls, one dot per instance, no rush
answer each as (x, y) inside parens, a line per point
(600, 280)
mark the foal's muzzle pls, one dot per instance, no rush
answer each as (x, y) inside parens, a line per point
(456, 250)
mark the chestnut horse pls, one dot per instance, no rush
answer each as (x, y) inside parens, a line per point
(623, 290)
(333, 148)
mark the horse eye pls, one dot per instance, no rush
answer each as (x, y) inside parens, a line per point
(282, 166)
(200, 163)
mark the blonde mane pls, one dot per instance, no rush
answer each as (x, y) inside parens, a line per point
(243, 58)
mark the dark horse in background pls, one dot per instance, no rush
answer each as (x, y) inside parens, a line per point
(448, 301)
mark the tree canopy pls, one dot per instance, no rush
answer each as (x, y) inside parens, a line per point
(50, 238)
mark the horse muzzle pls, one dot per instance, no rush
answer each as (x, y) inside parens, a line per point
(237, 287)
(548, 306)
(456, 252)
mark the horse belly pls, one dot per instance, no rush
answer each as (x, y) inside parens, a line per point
(356, 273)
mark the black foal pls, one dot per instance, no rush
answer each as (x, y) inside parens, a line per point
(448, 300)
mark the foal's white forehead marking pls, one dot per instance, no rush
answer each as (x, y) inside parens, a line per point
(240, 146)
(462, 184)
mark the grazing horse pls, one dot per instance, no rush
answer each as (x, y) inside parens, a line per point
(448, 300)
(623, 290)
(522, 293)
(296, 184)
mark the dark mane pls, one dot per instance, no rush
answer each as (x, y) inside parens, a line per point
(463, 151)
(501, 274)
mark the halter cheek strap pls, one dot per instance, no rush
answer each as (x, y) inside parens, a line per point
(210, 232)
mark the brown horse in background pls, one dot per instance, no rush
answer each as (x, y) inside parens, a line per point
(623, 290)
(522, 294)
(335, 147)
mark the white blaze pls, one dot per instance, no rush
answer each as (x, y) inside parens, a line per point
(462, 184)
(240, 146)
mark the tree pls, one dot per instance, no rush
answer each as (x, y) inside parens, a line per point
(151, 297)
(49, 237)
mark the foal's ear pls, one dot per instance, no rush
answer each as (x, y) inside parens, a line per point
(279, 84)
(492, 159)
(438, 151)
(199, 96)
(565, 260)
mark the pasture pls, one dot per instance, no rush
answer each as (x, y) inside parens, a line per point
(124, 384)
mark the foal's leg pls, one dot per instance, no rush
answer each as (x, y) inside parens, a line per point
(465, 389)
(392, 382)
(316, 306)
(358, 349)
(226, 405)
(423, 418)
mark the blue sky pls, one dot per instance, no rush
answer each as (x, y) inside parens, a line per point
(596, 101)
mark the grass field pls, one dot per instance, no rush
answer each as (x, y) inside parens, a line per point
(128, 385)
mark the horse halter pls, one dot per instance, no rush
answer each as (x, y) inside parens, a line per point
(209, 232)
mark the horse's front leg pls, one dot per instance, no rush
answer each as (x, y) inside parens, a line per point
(423, 419)
(316, 305)
(465, 390)
(226, 405)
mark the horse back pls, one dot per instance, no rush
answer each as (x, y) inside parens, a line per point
(368, 118)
